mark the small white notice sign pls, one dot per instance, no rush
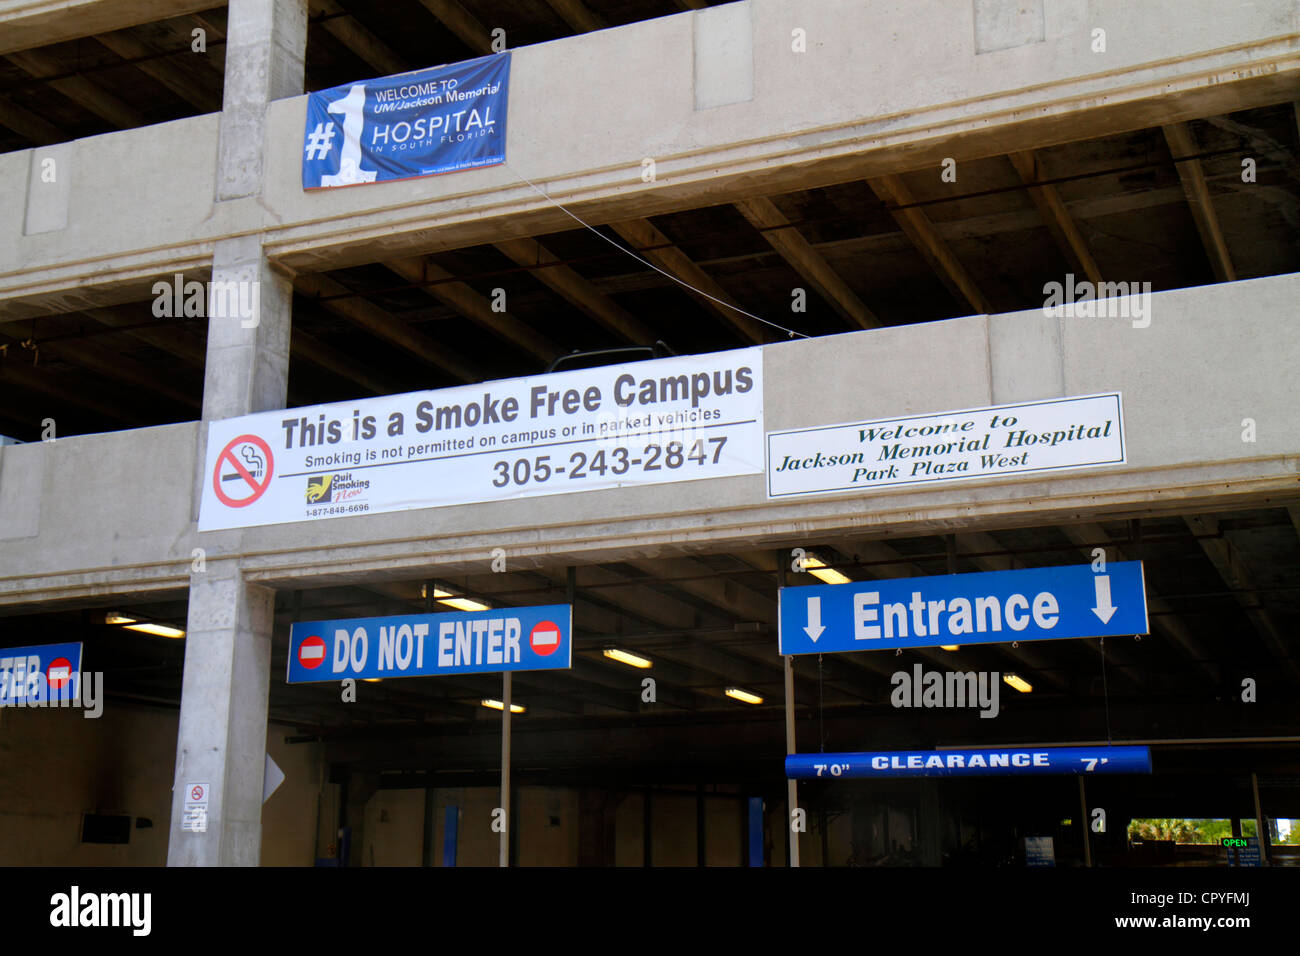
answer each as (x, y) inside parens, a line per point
(195, 819)
(1019, 439)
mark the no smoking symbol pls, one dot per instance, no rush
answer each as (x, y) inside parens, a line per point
(244, 467)
(197, 793)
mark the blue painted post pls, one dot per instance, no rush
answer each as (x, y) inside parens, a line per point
(756, 831)
(449, 827)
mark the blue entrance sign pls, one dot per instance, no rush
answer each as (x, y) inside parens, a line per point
(428, 645)
(988, 607)
(986, 761)
(36, 676)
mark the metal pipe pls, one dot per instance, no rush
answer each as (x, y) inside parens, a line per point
(1083, 805)
(1261, 825)
(504, 852)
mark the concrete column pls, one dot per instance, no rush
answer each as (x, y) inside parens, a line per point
(247, 365)
(249, 306)
(222, 737)
(266, 43)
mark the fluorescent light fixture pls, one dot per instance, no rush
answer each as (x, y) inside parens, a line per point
(497, 705)
(437, 591)
(463, 604)
(624, 657)
(949, 647)
(743, 695)
(1019, 683)
(144, 627)
(372, 680)
(817, 569)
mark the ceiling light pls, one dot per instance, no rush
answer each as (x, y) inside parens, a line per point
(463, 604)
(624, 657)
(949, 647)
(437, 591)
(145, 627)
(497, 705)
(159, 630)
(1019, 683)
(371, 680)
(743, 695)
(819, 570)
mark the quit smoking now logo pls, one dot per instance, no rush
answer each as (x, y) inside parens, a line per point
(77, 909)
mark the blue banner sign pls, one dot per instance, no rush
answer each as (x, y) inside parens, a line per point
(35, 676)
(402, 127)
(988, 607)
(984, 762)
(429, 645)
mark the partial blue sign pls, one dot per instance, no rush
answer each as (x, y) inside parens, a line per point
(428, 645)
(984, 762)
(39, 676)
(988, 607)
(1040, 851)
(415, 124)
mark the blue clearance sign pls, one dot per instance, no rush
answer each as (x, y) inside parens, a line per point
(427, 645)
(987, 607)
(402, 127)
(986, 761)
(33, 676)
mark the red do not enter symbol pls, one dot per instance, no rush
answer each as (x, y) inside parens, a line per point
(59, 674)
(544, 638)
(311, 653)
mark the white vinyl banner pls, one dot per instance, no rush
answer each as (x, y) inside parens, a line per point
(673, 419)
(973, 443)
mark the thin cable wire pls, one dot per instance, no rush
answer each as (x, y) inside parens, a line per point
(821, 706)
(1105, 688)
(667, 275)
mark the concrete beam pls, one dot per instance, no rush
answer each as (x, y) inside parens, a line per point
(64, 388)
(1162, 615)
(475, 307)
(807, 261)
(1228, 561)
(1056, 215)
(378, 322)
(546, 267)
(1182, 144)
(28, 125)
(169, 338)
(790, 136)
(577, 15)
(33, 23)
(462, 23)
(341, 25)
(345, 366)
(185, 76)
(81, 91)
(651, 244)
(1171, 469)
(932, 247)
